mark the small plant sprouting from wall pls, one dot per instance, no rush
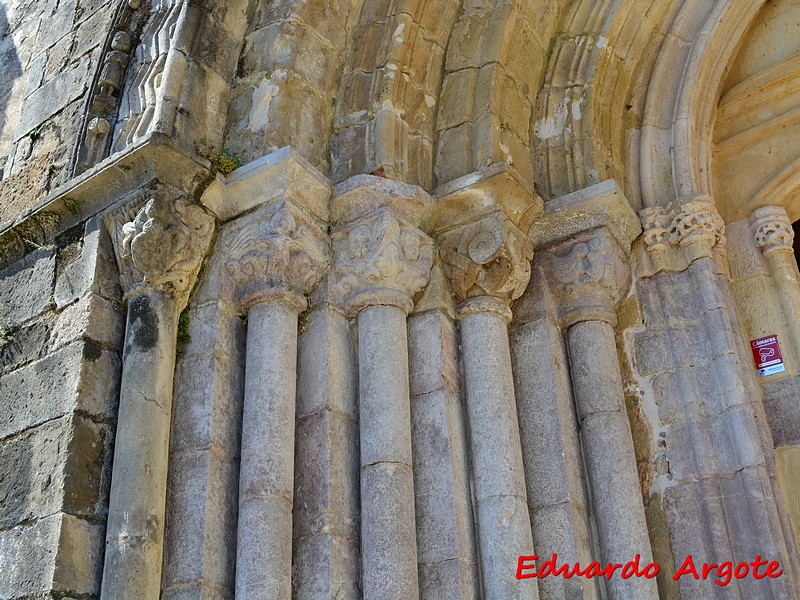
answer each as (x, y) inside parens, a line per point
(304, 319)
(222, 159)
(183, 333)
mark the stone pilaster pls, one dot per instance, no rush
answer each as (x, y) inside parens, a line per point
(270, 261)
(381, 260)
(159, 249)
(487, 262)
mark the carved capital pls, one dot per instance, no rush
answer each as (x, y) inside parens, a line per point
(380, 259)
(160, 241)
(489, 257)
(276, 256)
(772, 229)
(657, 225)
(696, 222)
(676, 236)
(589, 276)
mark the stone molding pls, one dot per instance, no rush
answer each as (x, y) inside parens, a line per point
(772, 229)
(674, 237)
(160, 239)
(276, 256)
(380, 259)
(489, 257)
(589, 275)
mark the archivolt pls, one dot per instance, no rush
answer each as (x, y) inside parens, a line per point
(675, 150)
(385, 112)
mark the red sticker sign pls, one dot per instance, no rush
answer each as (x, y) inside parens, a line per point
(767, 355)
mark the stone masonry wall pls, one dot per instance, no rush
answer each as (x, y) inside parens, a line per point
(60, 343)
(49, 51)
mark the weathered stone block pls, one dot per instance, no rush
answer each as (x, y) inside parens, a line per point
(327, 371)
(26, 287)
(326, 476)
(449, 579)
(207, 405)
(60, 553)
(715, 445)
(783, 410)
(25, 344)
(326, 566)
(433, 353)
(439, 481)
(200, 534)
(92, 318)
(81, 376)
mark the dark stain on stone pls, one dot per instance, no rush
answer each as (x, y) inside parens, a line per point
(92, 352)
(142, 325)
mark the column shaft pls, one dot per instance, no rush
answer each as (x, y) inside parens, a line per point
(266, 476)
(388, 527)
(783, 269)
(504, 527)
(609, 455)
(135, 533)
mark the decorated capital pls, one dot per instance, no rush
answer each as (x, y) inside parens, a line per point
(160, 241)
(380, 259)
(487, 262)
(772, 230)
(589, 275)
(276, 256)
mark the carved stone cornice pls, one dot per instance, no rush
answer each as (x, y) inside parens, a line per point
(676, 236)
(160, 240)
(380, 259)
(487, 258)
(275, 256)
(772, 230)
(589, 275)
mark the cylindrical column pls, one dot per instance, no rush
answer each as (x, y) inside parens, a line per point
(774, 236)
(159, 249)
(135, 532)
(380, 260)
(504, 528)
(388, 526)
(609, 455)
(266, 475)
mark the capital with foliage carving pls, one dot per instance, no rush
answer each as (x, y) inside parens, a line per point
(380, 259)
(276, 256)
(160, 241)
(589, 276)
(772, 229)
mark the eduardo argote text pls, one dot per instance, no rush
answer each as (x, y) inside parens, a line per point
(721, 573)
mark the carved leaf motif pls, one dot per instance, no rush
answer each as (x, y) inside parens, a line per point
(380, 260)
(163, 246)
(275, 251)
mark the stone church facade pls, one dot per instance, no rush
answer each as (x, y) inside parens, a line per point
(338, 299)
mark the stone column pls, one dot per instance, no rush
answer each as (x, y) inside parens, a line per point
(274, 259)
(774, 236)
(487, 263)
(159, 250)
(589, 274)
(381, 259)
